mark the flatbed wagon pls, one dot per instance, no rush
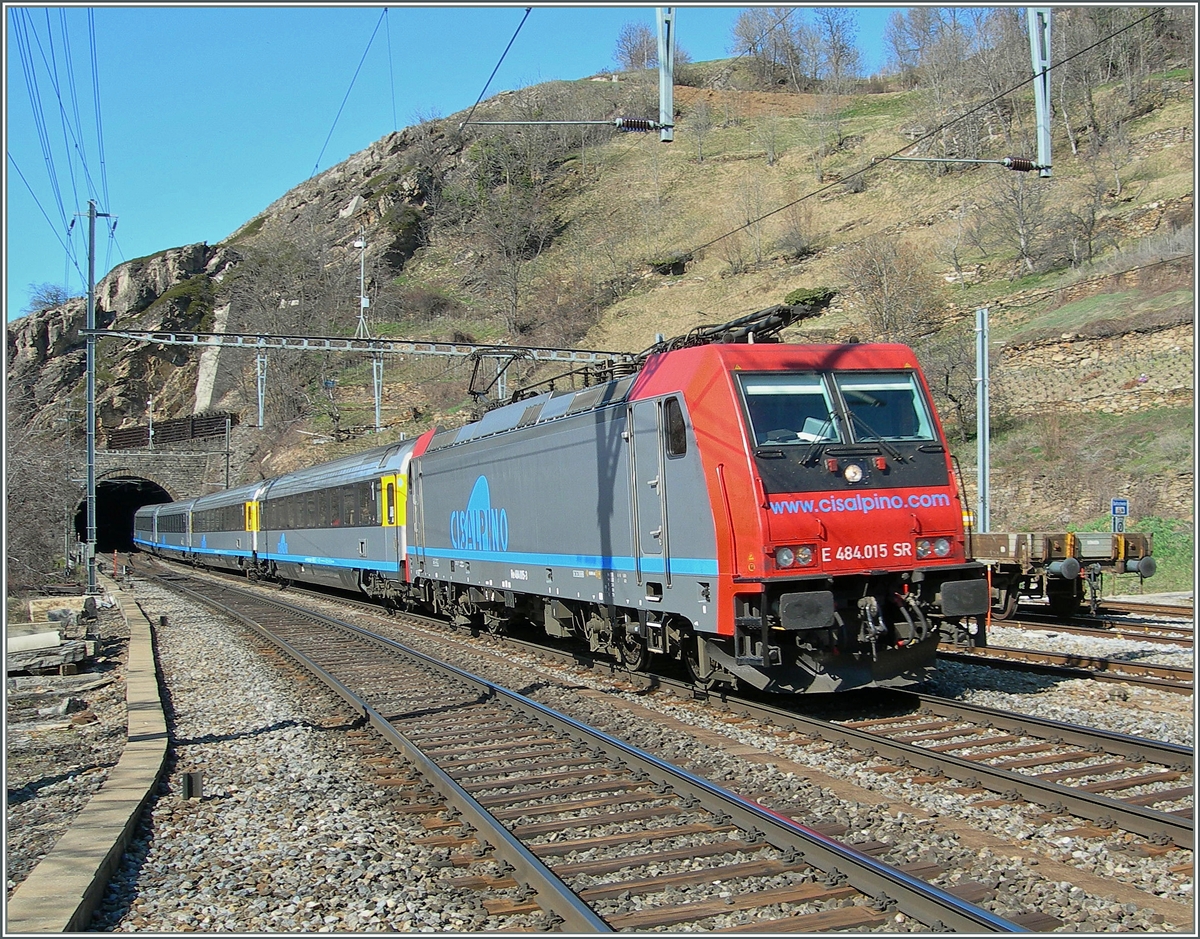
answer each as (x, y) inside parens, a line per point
(1063, 568)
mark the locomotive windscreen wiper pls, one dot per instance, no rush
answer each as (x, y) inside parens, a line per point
(891, 451)
(818, 440)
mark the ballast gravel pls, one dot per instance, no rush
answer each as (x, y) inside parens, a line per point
(292, 834)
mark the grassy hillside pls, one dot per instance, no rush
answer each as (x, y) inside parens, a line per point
(754, 211)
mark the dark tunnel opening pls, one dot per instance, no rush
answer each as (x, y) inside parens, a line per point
(116, 502)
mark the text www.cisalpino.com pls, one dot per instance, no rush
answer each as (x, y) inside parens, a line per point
(860, 503)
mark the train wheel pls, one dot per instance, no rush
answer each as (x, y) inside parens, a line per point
(634, 655)
(1007, 607)
(1064, 603)
(702, 676)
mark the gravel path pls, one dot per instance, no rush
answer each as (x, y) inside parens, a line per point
(292, 834)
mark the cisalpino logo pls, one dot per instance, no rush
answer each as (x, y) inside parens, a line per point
(480, 527)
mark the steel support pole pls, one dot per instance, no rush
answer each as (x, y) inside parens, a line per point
(91, 402)
(377, 375)
(228, 425)
(261, 364)
(1039, 45)
(666, 73)
(983, 420)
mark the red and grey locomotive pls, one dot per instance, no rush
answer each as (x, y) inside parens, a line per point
(782, 516)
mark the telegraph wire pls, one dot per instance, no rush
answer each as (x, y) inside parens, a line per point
(937, 130)
(348, 90)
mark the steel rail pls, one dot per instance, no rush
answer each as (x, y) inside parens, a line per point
(1147, 608)
(1173, 678)
(915, 898)
(553, 895)
(1155, 633)
(1150, 823)
(1133, 748)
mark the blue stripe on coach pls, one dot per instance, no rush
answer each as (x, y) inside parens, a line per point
(699, 567)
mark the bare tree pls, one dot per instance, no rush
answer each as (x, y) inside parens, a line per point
(947, 358)
(39, 502)
(836, 28)
(764, 34)
(768, 136)
(751, 204)
(1017, 218)
(799, 238)
(952, 248)
(46, 297)
(700, 123)
(899, 298)
(289, 287)
(637, 47)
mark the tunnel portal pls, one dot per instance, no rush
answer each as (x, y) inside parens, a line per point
(117, 500)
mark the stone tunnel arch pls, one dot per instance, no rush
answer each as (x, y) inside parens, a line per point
(120, 493)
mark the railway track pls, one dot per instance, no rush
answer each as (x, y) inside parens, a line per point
(1159, 807)
(1157, 633)
(577, 821)
(1149, 609)
(1111, 780)
(1177, 679)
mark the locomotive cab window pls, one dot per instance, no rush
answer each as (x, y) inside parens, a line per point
(675, 427)
(885, 406)
(789, 408)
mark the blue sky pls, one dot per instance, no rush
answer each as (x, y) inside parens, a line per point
(208, 114)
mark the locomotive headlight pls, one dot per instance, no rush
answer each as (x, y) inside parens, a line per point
(785, 557)
(941, 547)
(853, 473)
(804, 555)
(923, 547)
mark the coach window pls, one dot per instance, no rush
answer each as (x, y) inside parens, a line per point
(391, 503)
(676, 429)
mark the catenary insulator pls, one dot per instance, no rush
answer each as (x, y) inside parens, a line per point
(635, 124)
(1020, 164)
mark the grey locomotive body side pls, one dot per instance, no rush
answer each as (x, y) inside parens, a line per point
(573, 508)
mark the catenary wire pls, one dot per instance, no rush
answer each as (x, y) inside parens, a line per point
(21, 34)
(937, 130)
(75, 141)
(497, 68)
(348, 90)
(37, 202)
(96, 98)
(387, 28)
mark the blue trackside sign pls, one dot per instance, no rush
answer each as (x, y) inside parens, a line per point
(1120, 506)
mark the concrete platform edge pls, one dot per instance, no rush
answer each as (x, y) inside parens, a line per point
(63, 891)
